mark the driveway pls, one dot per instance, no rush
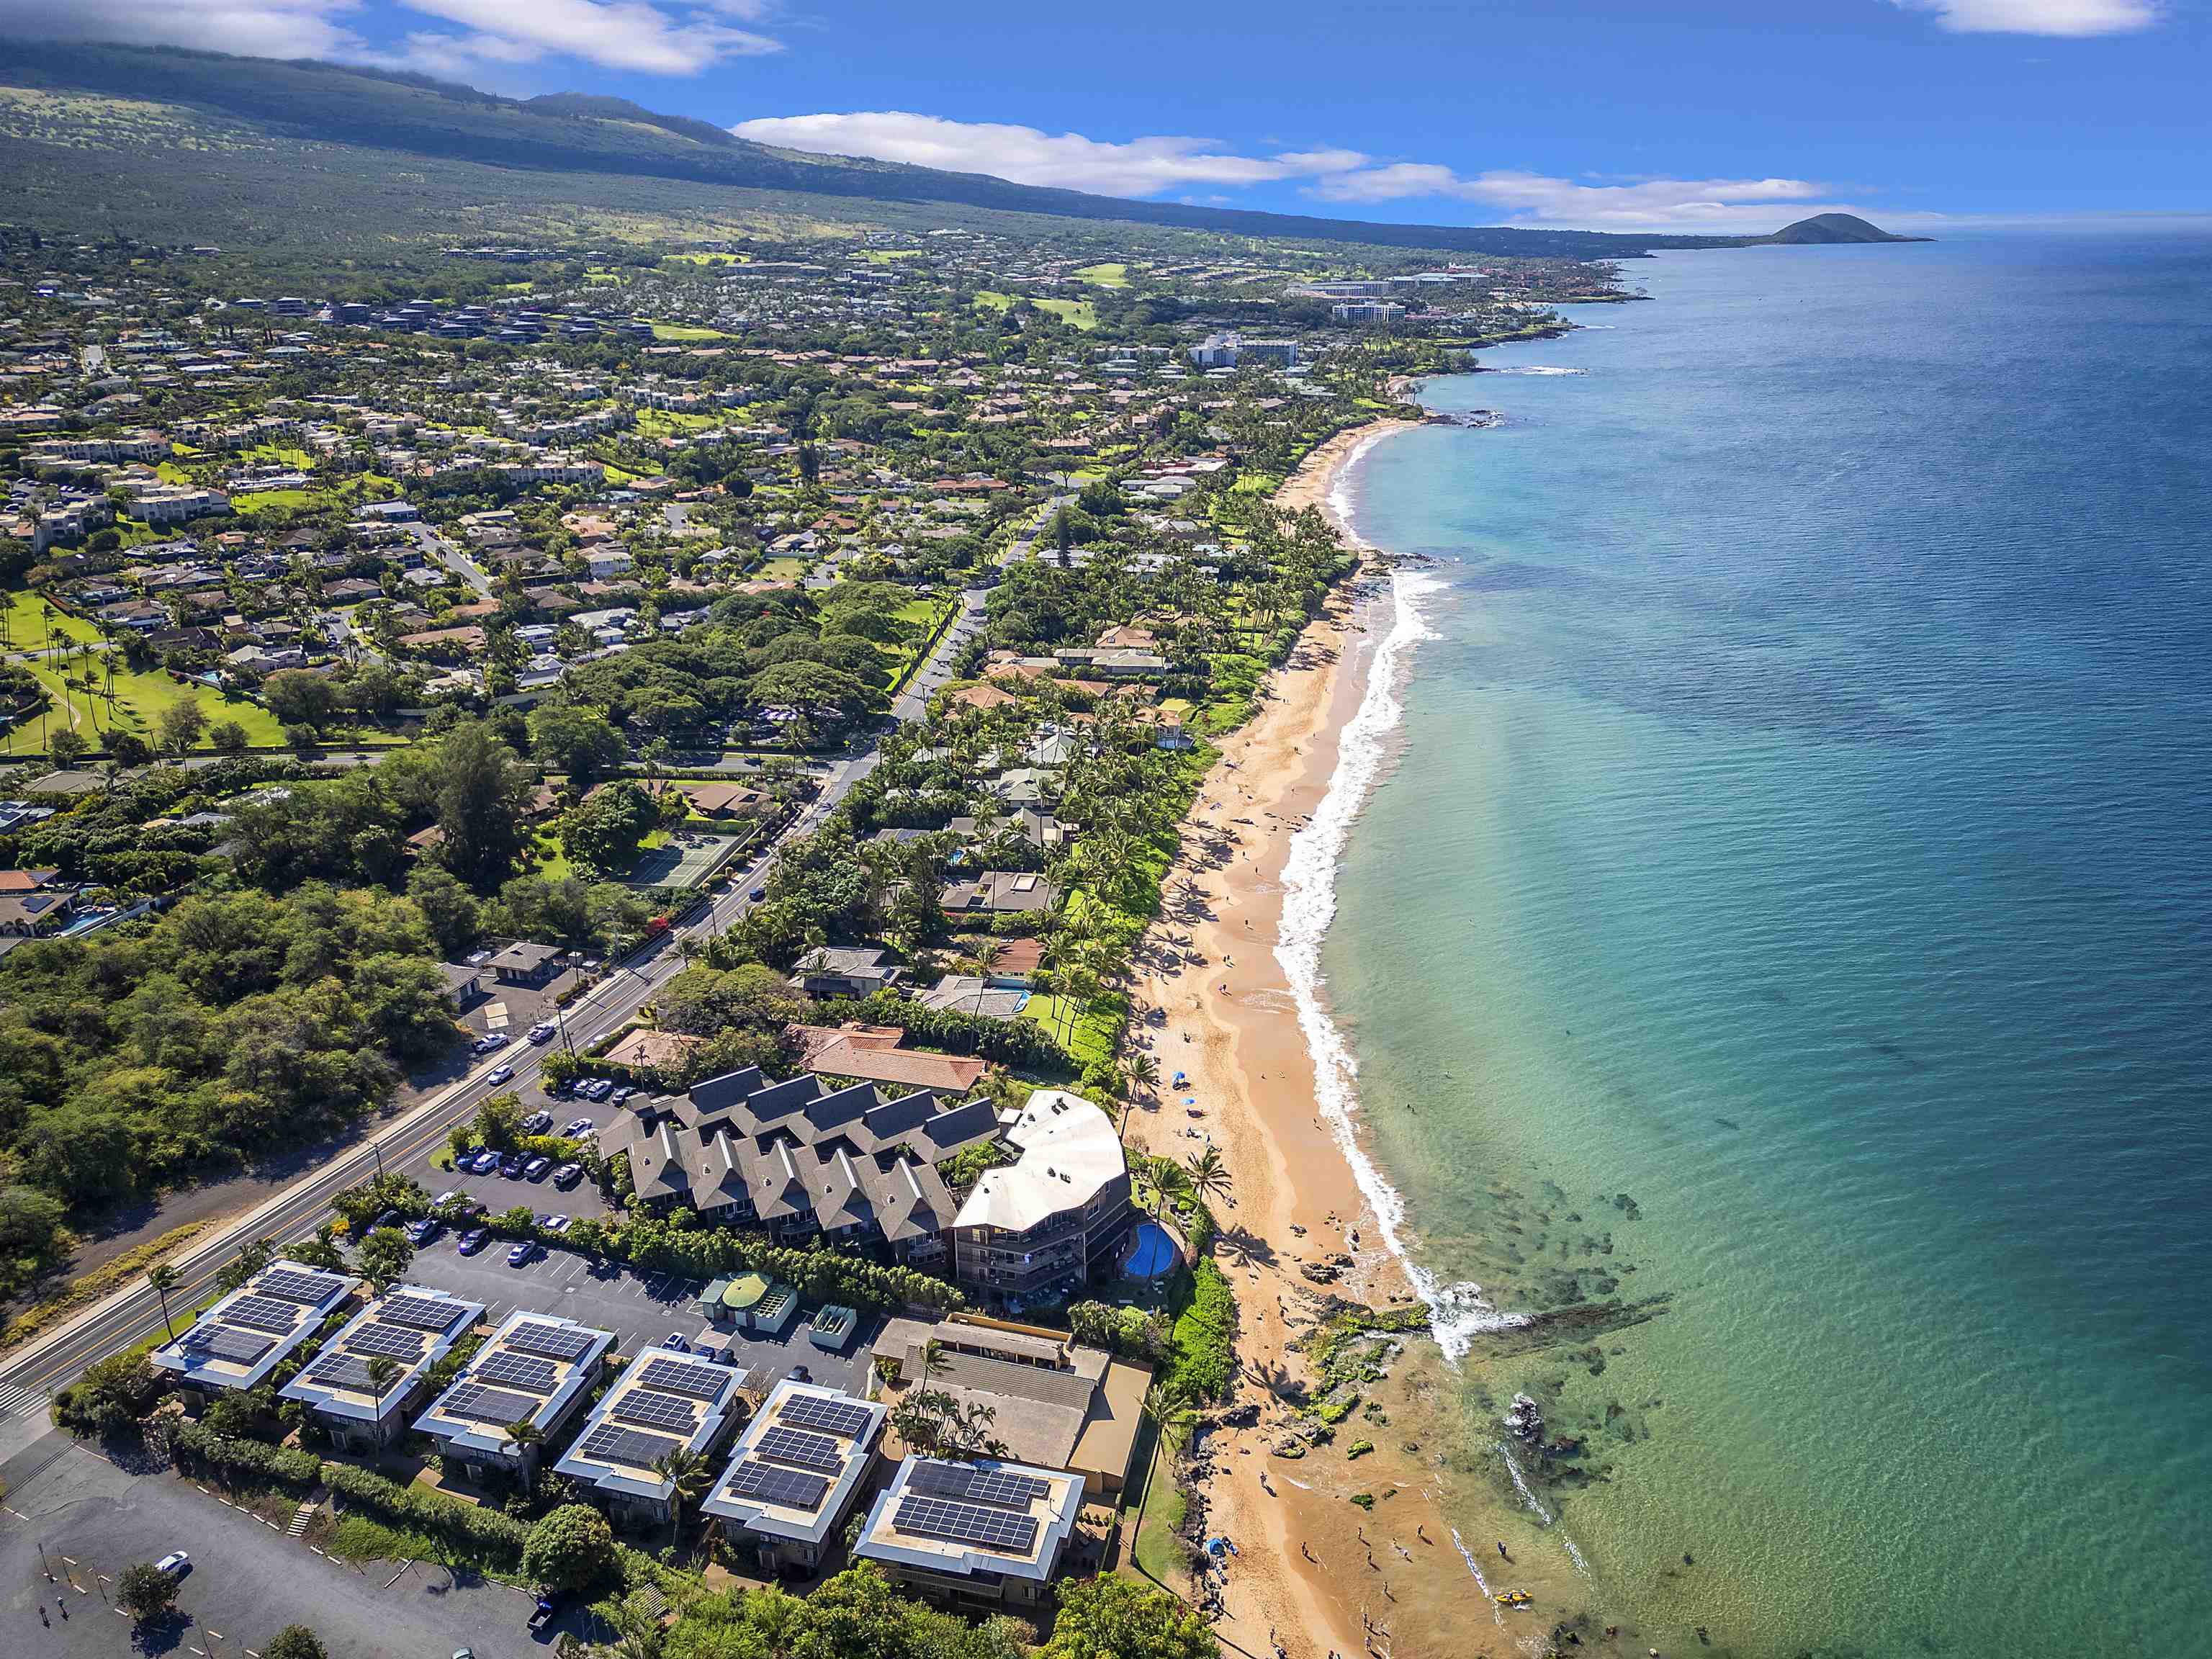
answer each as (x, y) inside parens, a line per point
(248, 1581)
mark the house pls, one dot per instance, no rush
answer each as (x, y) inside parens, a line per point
(413, 1326)
(982, 698)
(979, 1537)
(643, 1049)
(1056, 1219)
(723, 801)
(659, 1405)
(239, 1341)
(535, 1368)
(783, 1499)
(464, 985)
(971, 994)
(1016, 963)
(525, 962)
(799, 1160)
(845, 970)
(873, 1053)
(36, 916)
(1059, 1404)
(606, 563)
(999, 893)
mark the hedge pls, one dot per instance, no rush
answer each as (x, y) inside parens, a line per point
(1201, 1361)
(200, 1447)
(420, 1509)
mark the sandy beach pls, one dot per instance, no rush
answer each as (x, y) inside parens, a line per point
(1313, 1571)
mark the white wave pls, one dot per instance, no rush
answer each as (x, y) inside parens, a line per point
(1467, 1556)
(1536, 1504)
(1340, 484)
(1538, 368)
(1458, 1311)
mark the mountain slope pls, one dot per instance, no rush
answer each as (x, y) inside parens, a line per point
(1830, 230)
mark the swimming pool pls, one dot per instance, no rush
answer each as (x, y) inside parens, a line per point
(1152, 1253)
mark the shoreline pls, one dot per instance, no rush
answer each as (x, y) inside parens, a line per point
(1313, 1569)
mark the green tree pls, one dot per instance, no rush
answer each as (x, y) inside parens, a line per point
(229, 738)
(252, 1257)
(602, 832)
(297, 697)
(1116, 1617)
(481, 791)
(67, 747)
(145, 1592)
(385, 1256)
(161, 1279)
(294, 1642)
(499, 1122)
(1206, 1174)
(577, 740)
(181, 726)
(571, 1550)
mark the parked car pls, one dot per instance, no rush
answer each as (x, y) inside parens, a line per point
(483, 1162)
(492, 1040)
(511, 1166)
(522, 1252)
(176, 1564)
(448, 1196)
(567, 1175)
(422, 1231)
(537, 1123)
(499, 1074)
(577, 1128)
(621, 1095)
(674, 1343)
(389, 1218)
(537, 1169)
(474, 1240)
(555, 1224)
(800, 1373)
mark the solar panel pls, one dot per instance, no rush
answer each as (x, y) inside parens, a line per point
(418, 1312)
(226, 1342)
(298, 1286)
(342, 1371)
(679, 1376)
(519, 1370)
(619, 1445)
(808, 1451)
(385, 1341)
(814, 1411)
(661, 1411)
(975, 1486)
(481, 1404)
(262, 1313)
(551, 1341)
(1004, 1530)
(790, 1487)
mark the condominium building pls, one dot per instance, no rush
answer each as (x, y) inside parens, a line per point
(1057, 1217)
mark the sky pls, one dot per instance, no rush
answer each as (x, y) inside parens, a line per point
(1697, 115)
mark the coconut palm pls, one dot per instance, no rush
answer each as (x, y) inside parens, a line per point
(987, 957)
(383, 1371)
(1207, 1174)
(522, 1434)
(163, 1279)
(686, 1471)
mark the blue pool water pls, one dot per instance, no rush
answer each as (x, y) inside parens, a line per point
(1151, 1253)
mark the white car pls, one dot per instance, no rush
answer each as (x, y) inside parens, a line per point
(499, 1074)
(176, 1564)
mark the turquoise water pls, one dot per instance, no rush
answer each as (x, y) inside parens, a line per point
(1794, 877)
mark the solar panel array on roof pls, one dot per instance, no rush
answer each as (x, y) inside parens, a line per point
(228, 1342)
(659, 1410)
(551, 1341)
(383, 1339)
(518, 1370)
(1008, 1531)
(482, 1405)
(262, 1313)
(680, 1376)
(965, 1481)
(342, 1371)
(814, 1411)
(619, 1445)
(418, 1312)
(298, 1286)
(808, 1451)
(792, 1488)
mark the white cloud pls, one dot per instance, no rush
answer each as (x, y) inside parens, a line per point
(1068, 160)
(681, 38)
(1156, 166)
(2076, 18)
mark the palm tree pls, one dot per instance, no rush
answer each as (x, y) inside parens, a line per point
(686, 1471)
(1146, 1071)
(522, 1434)
(987, 957)
(383, 1371)
(163, 1279)
(1207, 1175)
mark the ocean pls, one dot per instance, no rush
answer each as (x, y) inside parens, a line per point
(1771, 895)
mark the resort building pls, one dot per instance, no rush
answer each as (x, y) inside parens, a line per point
(793, 1475)
(981, 1537)
(801, 1161)
(346, 1388)
(1056, 1403)
(659, 1404)
(238, 1342)
(535, 1368)
(1057, 1217)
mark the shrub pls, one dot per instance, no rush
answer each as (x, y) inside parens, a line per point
(1200, 1360)
(571, 1549)
(145, 1592)
(486, 1533)
(200, 1449)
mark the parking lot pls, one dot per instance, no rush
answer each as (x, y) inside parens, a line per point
(641, 1308)
(83, 1516)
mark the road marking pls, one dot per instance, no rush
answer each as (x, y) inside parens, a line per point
(15, 1399)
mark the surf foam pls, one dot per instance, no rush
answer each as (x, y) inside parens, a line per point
(1458, 1311)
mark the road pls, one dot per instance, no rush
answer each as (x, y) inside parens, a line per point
(436, 549)
(131, 1315)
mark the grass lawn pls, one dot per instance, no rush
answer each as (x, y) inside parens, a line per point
(137, 703)
(1157, 1551)
(1076, 313)
(28, 623)
(670, 423)
(785, 569)
(552, 862)
(261, 500)
(1104, 276)
(678, 331)
(170, 472)
(1084, 1029)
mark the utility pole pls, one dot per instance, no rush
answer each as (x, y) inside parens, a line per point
(377, 1148)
